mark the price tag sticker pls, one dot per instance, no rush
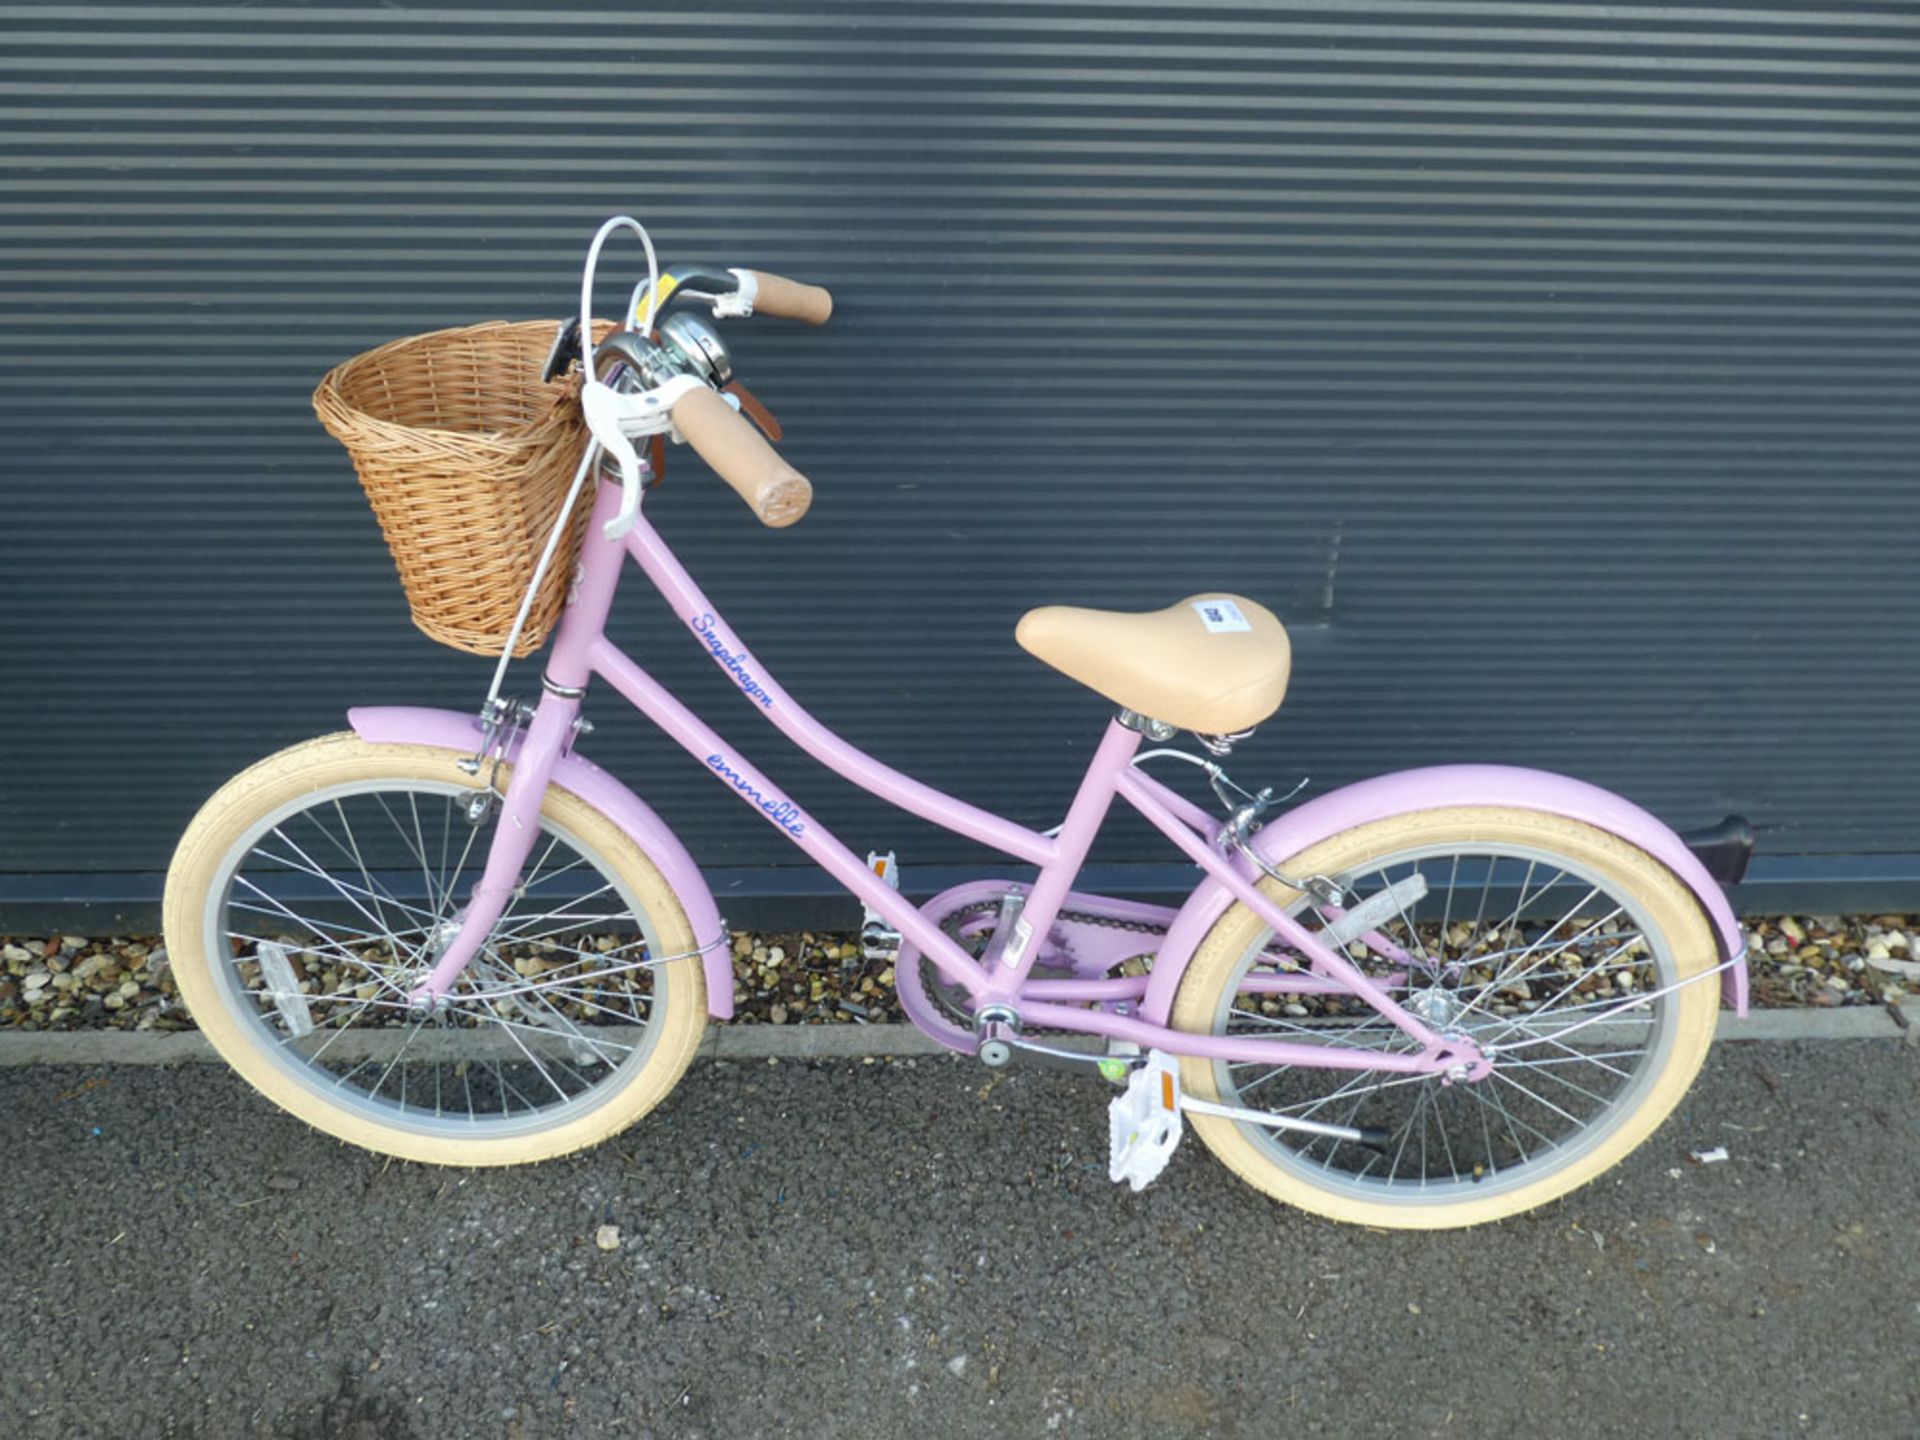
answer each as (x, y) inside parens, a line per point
(1221, 616)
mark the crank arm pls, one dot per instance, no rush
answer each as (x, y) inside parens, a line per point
(1371, 1136)
(1056, 1052)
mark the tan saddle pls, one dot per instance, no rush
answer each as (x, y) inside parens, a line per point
(1214, 663)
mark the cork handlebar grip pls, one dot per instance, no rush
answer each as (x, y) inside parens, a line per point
(789, 299)
(773, 489)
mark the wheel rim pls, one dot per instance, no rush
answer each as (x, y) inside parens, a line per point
(352, 889)
(1536, 944)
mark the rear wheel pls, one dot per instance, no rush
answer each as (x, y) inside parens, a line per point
(1530, 925)
(314, 890)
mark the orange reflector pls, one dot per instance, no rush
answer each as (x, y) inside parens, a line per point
(1166, 1089)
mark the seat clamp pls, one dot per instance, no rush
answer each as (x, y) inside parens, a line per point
(1155, 730)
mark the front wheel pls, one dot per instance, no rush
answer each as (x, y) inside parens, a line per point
(1530, 925)
(314, 890)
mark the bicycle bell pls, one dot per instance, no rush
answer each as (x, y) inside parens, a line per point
(702, 352)
(687, 346)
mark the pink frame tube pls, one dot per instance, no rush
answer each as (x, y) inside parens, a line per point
(581, 650)
(513, 839)
(791, 719)
(1328, 963)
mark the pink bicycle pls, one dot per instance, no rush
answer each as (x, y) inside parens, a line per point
(1430, 999)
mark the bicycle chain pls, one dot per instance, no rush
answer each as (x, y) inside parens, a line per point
(954, 923)
(957, 921)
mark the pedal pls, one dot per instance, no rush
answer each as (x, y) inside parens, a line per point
(878, 939)
(1143, 1122)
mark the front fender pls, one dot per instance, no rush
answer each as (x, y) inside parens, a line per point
(450, 730)
(1434, 788)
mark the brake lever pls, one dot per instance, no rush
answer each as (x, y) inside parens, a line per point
(616, 420)
(605, 409)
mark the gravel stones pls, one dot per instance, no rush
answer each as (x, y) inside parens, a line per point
(1833, 960)
(65, 982)
(68, 982)
(809, 979)
(91, 966)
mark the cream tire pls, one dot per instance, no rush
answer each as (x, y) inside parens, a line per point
(217, 838)
(1664, 903)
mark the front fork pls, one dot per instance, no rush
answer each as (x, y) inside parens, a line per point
(547, 739)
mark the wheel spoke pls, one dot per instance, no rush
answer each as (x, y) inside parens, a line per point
(452, 885)
(381, 894)
(1406, 1133)
(1446, 1141)
(1516, 976)
(1577, 1057)
(512, 1040)
(417, 847)
(573, 920)
(322, 943)
(1504, 1078)
(574, 1032)
(1446, 914)
(564, 1097)
(1556, 1077)
(351, 894)
(1515, 943)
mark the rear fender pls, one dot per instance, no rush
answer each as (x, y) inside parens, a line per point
(1439, 787)
(450, 730)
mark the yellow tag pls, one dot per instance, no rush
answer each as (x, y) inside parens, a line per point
(1166, 1089)
(666, 288)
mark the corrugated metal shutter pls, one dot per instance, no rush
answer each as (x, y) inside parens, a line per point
(1551, 367)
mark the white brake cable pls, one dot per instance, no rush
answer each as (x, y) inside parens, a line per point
(1171, 754)
(587, 462)
(586, 285)
(592, 455)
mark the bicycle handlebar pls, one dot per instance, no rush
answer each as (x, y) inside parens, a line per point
(676, 373)
(773, 489)
(789, 299)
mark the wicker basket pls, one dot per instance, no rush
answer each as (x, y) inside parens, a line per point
(466, 456)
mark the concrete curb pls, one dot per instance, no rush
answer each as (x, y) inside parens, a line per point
(846, 1042)
(1856, 1022)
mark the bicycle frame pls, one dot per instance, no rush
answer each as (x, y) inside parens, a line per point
(1003, 977)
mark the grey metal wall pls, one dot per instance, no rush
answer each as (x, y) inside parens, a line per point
(1551, 367)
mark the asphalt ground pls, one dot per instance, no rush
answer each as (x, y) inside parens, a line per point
(921, 1247)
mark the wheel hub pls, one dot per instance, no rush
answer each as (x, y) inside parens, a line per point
(1436, 1005)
